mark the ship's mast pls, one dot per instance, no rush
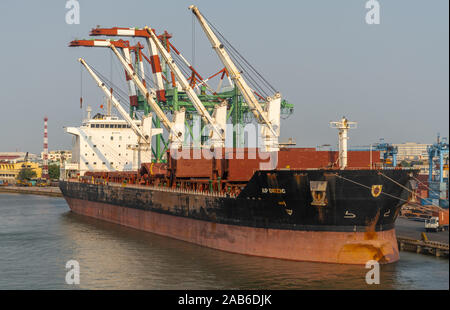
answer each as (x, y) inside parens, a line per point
(343, 126)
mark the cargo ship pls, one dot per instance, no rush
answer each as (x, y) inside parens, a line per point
(274, 201)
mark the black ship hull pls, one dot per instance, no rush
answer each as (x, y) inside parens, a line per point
(321, 211)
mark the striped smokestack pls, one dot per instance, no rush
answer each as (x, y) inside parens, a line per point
(45, 155)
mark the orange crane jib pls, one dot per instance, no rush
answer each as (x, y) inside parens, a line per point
(133, 32)
(104, 43)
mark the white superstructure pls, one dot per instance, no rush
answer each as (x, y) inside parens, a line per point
(104, 143)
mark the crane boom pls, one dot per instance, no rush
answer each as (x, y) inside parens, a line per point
(155, 63)
(246, 91)
(125, 47)
(159, 113)
(186, 87)
(116, 104)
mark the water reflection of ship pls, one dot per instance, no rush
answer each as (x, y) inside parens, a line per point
(158, 263)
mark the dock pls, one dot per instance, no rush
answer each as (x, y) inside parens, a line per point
(43, 191)
(411, 237)
(438, 249)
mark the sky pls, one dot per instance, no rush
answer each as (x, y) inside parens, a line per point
(392, 78)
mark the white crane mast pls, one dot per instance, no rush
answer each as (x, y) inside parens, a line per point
(246, 91)
(219, 124)
(177, 128)
(343, 126)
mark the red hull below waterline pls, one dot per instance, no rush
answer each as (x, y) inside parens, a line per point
(316, 246)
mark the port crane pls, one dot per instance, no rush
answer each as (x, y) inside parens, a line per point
(153, 60)
(154, 57)
(125, 47)
(439, 149)
(144, 135)
(388, 150)
(218, 121)
(144, 132)
(170, 97)
(270, 116)
(176, 129)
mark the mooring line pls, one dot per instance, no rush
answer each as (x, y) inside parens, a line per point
(369, 188)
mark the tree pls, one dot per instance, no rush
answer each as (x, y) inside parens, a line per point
(26, 174)
(404, 163)
(53, 171)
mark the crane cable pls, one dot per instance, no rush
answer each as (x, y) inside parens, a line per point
(238, 56)
(81, 86)
(193, 40)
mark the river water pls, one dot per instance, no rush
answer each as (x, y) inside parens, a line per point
(39, 234)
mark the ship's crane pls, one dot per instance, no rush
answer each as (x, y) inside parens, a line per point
(270, 116)
(154, 58)
(176, 129)
(125, 48)
(218, 123)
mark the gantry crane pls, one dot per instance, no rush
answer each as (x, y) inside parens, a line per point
(154, 58)
(176, 129)
(144, 132)
(176, 99)
(388, 150)
(169, 96)
(125, 47)
(439, 149)
(218, 124)
(270, 116)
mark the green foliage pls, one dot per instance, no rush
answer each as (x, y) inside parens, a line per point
(26, 174)
(53, 171)
(404, 163)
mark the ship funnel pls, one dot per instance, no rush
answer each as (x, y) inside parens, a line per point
(343, 126)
